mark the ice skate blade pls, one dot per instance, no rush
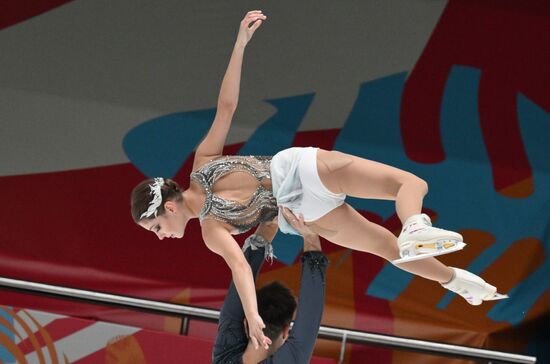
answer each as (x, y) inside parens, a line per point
(496, 296)
(457, 247)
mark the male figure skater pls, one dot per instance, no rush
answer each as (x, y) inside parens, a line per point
(276, 306)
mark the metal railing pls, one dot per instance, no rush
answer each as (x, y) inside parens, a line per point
(342, 335)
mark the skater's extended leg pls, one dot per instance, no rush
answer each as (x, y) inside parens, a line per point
(346, 227)
(358, 177)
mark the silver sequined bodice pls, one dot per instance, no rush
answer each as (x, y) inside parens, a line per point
(261, 206)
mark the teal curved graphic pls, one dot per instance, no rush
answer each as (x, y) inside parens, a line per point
(159, 147)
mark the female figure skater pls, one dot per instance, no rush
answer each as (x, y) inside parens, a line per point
(232, 194)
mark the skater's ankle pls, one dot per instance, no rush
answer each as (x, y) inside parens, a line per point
(415, 218)
(452, 276)
(406, 217)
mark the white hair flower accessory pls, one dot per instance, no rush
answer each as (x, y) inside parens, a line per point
(157, 197)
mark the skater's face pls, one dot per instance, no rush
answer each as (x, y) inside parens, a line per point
(171, 224)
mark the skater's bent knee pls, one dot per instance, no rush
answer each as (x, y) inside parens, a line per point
(423, 185)
(417, 182)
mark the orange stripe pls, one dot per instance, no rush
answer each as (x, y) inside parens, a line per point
(47, 338)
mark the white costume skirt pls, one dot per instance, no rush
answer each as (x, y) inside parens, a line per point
(297, 186)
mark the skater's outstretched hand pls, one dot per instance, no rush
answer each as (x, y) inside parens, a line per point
(255, 330)
(252, 21)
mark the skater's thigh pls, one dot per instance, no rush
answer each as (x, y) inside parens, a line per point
(346, 227)
(359, 177)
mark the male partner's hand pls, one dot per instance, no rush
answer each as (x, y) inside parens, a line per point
(311, 240)
(254, 17)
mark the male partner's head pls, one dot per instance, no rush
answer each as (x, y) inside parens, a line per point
(276, 306)
(156, 205)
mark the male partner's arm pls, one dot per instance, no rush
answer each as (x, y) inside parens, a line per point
(301, 341)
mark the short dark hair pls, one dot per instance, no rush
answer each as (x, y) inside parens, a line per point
(276, 305)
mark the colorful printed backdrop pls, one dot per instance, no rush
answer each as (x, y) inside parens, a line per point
(96, 96)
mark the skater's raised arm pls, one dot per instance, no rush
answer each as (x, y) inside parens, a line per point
(212, 145)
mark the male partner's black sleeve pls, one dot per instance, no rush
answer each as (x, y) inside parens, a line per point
(311, 301)
(231, 339)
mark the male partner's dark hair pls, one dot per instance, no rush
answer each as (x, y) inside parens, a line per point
(141, 197)
(276, 305)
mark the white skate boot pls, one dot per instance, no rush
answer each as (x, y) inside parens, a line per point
(419, 240)
(474, 289)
